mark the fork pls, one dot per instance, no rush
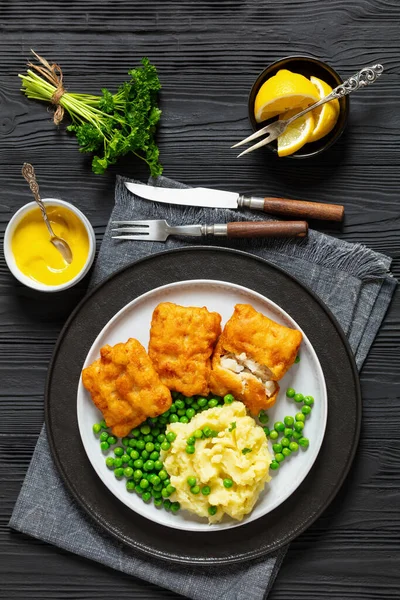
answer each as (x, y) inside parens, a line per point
(159, 230)
(365, 77)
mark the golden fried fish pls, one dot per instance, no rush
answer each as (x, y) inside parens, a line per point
(182, 339)
(125, 386)
(252, 354)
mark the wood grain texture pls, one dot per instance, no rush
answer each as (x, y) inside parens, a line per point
(208, 54)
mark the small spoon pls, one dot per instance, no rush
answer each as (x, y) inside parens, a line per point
(29, 173)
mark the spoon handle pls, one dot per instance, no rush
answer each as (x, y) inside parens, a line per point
(29, 173)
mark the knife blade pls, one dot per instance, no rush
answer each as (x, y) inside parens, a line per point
(210, 198)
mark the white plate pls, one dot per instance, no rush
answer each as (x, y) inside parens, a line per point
(306, 377)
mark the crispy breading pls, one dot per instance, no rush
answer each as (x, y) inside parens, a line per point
(251, 338)
(125, 386)
(182, 339)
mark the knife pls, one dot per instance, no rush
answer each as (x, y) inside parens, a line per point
(210, 198)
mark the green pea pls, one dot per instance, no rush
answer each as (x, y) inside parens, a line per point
(165, 446)
(300, 417)
(117, 462)
(293, 446)
(155, 432)
(228, 399)
(303, 442)
(130, 463)
(273, 435)
(158, 501)
(279, 426)
(266, 431)
(104, 446)
(279, 457)
(212, 510)
(165, 493)
(286, 452)
(181, 412)
(175, 395)
(144, 484)
(135, 455)
(190, 449)
(309, 401)
(140, 444)
(125, 458)
(163, 474)
(173, 418)
(171, 436)
(154, 455)
(156, 494)
(110, 462)
(189, 400)
(153, 420)
(160, 438)
(158, 487)
(297, 359)
(170, 489)
(167, 504)
(138, 489)
(138, 464)
(206, 490)
(297, 435)
(96, 428)
(130, 485)
(263, 417)
(137, 475)
(228, 483)
(274, 465)
(289, 421)
(158, 465)
(148, 465)
(202, 402)
(135, 432)
(132, 443)
(288, 432)
(207, 432)
(299, 425)
(148, 439)
(145, 429)
(277, 447)
(195, 407)
(125, 441)
(172, 409)
(306, 410)
(184, 419)
(298, 397)
(163, 420)
(103, 424)
(104, 436)
(191, 440)
(119, 473)
(179, 404)
(191, 481)
(175, 506)
(198, 434)
(285, 442)
(146, 497)
(128, 472)
(190, 413)
(155, 480)
(195, 489)
(290, 392)
(149, 447)
(212, 403)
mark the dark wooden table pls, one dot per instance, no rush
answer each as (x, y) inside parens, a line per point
(208, 54)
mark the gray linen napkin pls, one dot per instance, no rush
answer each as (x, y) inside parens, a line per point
(351, 279)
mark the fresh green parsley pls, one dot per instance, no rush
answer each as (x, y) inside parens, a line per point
(233, 426)
(246, 450)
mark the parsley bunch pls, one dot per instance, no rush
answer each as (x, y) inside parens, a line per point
(111, 125)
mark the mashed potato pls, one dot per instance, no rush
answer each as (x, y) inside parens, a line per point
(218, 458)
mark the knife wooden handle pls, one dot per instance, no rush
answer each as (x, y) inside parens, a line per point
(304, 209)
(252, 229)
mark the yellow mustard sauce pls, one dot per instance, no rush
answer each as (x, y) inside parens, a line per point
(36, 256)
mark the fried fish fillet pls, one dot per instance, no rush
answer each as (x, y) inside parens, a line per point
(125, 386)
(182, 339)
(252, 354)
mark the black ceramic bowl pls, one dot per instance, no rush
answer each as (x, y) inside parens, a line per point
(306, 66)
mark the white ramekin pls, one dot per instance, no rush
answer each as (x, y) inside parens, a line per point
(10, 259)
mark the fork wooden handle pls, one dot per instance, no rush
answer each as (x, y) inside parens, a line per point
(304, 209)
(267, 229)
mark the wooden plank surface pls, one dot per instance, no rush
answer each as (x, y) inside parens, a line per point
(208, 55)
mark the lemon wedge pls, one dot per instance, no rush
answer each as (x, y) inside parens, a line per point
(282, 92)
(325, 116)
(297, 134)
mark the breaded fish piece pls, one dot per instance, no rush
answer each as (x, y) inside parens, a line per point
(125, 386)
(252, 354)
(182, 339)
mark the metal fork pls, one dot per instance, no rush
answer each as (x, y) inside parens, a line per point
(159, 230)
(361, 79)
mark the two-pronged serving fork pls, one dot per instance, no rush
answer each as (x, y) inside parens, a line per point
(159, 230)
